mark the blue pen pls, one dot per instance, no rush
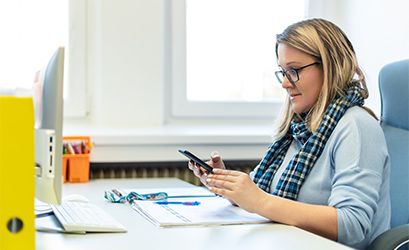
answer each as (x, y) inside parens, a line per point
(187, 203)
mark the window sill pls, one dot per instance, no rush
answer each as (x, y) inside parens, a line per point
(160, 144)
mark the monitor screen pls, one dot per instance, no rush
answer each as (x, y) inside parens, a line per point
(48, 108)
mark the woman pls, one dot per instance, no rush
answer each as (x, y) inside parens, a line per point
(328, 169)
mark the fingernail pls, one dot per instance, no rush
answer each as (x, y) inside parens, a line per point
(208, 180)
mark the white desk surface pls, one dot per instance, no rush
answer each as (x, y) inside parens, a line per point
(144, 235)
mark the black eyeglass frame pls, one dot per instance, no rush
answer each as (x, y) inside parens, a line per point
(284, 73)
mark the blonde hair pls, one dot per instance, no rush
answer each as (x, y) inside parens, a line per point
(328, 44)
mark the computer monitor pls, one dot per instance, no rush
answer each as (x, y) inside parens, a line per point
(48, 108)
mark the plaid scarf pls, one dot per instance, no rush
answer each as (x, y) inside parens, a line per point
(301, 164)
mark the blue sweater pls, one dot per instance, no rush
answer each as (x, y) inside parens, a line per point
(352, 175)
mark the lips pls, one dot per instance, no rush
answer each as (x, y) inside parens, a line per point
(293, 97)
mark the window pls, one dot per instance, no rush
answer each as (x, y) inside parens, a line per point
(223, 56)
(32, 31)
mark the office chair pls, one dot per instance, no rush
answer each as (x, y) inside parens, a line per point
(394, 90)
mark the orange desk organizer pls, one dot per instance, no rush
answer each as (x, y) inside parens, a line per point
(76, 166)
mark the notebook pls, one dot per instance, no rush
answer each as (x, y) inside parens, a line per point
(212, 210)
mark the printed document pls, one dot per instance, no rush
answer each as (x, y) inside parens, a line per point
(212, 210)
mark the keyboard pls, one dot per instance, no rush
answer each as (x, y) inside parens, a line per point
(82, 217)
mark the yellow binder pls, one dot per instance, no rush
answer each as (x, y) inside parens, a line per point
(16, 173)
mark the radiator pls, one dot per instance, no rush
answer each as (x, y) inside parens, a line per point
(157, 170)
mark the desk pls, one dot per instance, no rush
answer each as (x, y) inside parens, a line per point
(144, 235)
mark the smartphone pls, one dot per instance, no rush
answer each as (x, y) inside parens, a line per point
(195, 159)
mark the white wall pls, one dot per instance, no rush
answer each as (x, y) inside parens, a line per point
(129, 81)
(126, 62)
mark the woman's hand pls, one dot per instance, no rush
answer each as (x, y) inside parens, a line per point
(237, 187)
(215, 162)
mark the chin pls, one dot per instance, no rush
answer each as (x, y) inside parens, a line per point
(297, 110)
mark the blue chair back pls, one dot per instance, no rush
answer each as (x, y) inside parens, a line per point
(394, 90)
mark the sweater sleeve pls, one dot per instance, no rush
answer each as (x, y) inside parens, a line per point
(358, 157)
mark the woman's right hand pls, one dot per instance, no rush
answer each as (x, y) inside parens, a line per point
(215, 162)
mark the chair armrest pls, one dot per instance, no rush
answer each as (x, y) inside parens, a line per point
(391, 239)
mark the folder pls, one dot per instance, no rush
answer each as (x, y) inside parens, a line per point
(16, 173)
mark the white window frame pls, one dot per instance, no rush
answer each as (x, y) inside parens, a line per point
(181, 107)
(75, 103)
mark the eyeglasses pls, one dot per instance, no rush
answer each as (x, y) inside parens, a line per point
(292, 74)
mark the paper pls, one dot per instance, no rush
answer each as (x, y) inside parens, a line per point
(213, 210)
(18, 92)
(49, 224)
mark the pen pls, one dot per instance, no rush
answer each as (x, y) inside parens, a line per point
(187, 203)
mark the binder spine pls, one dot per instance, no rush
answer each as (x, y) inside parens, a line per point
(16, 173)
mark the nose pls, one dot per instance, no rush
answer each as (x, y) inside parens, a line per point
(286, 84)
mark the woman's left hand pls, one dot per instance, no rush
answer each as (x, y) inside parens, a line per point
(237, 187)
